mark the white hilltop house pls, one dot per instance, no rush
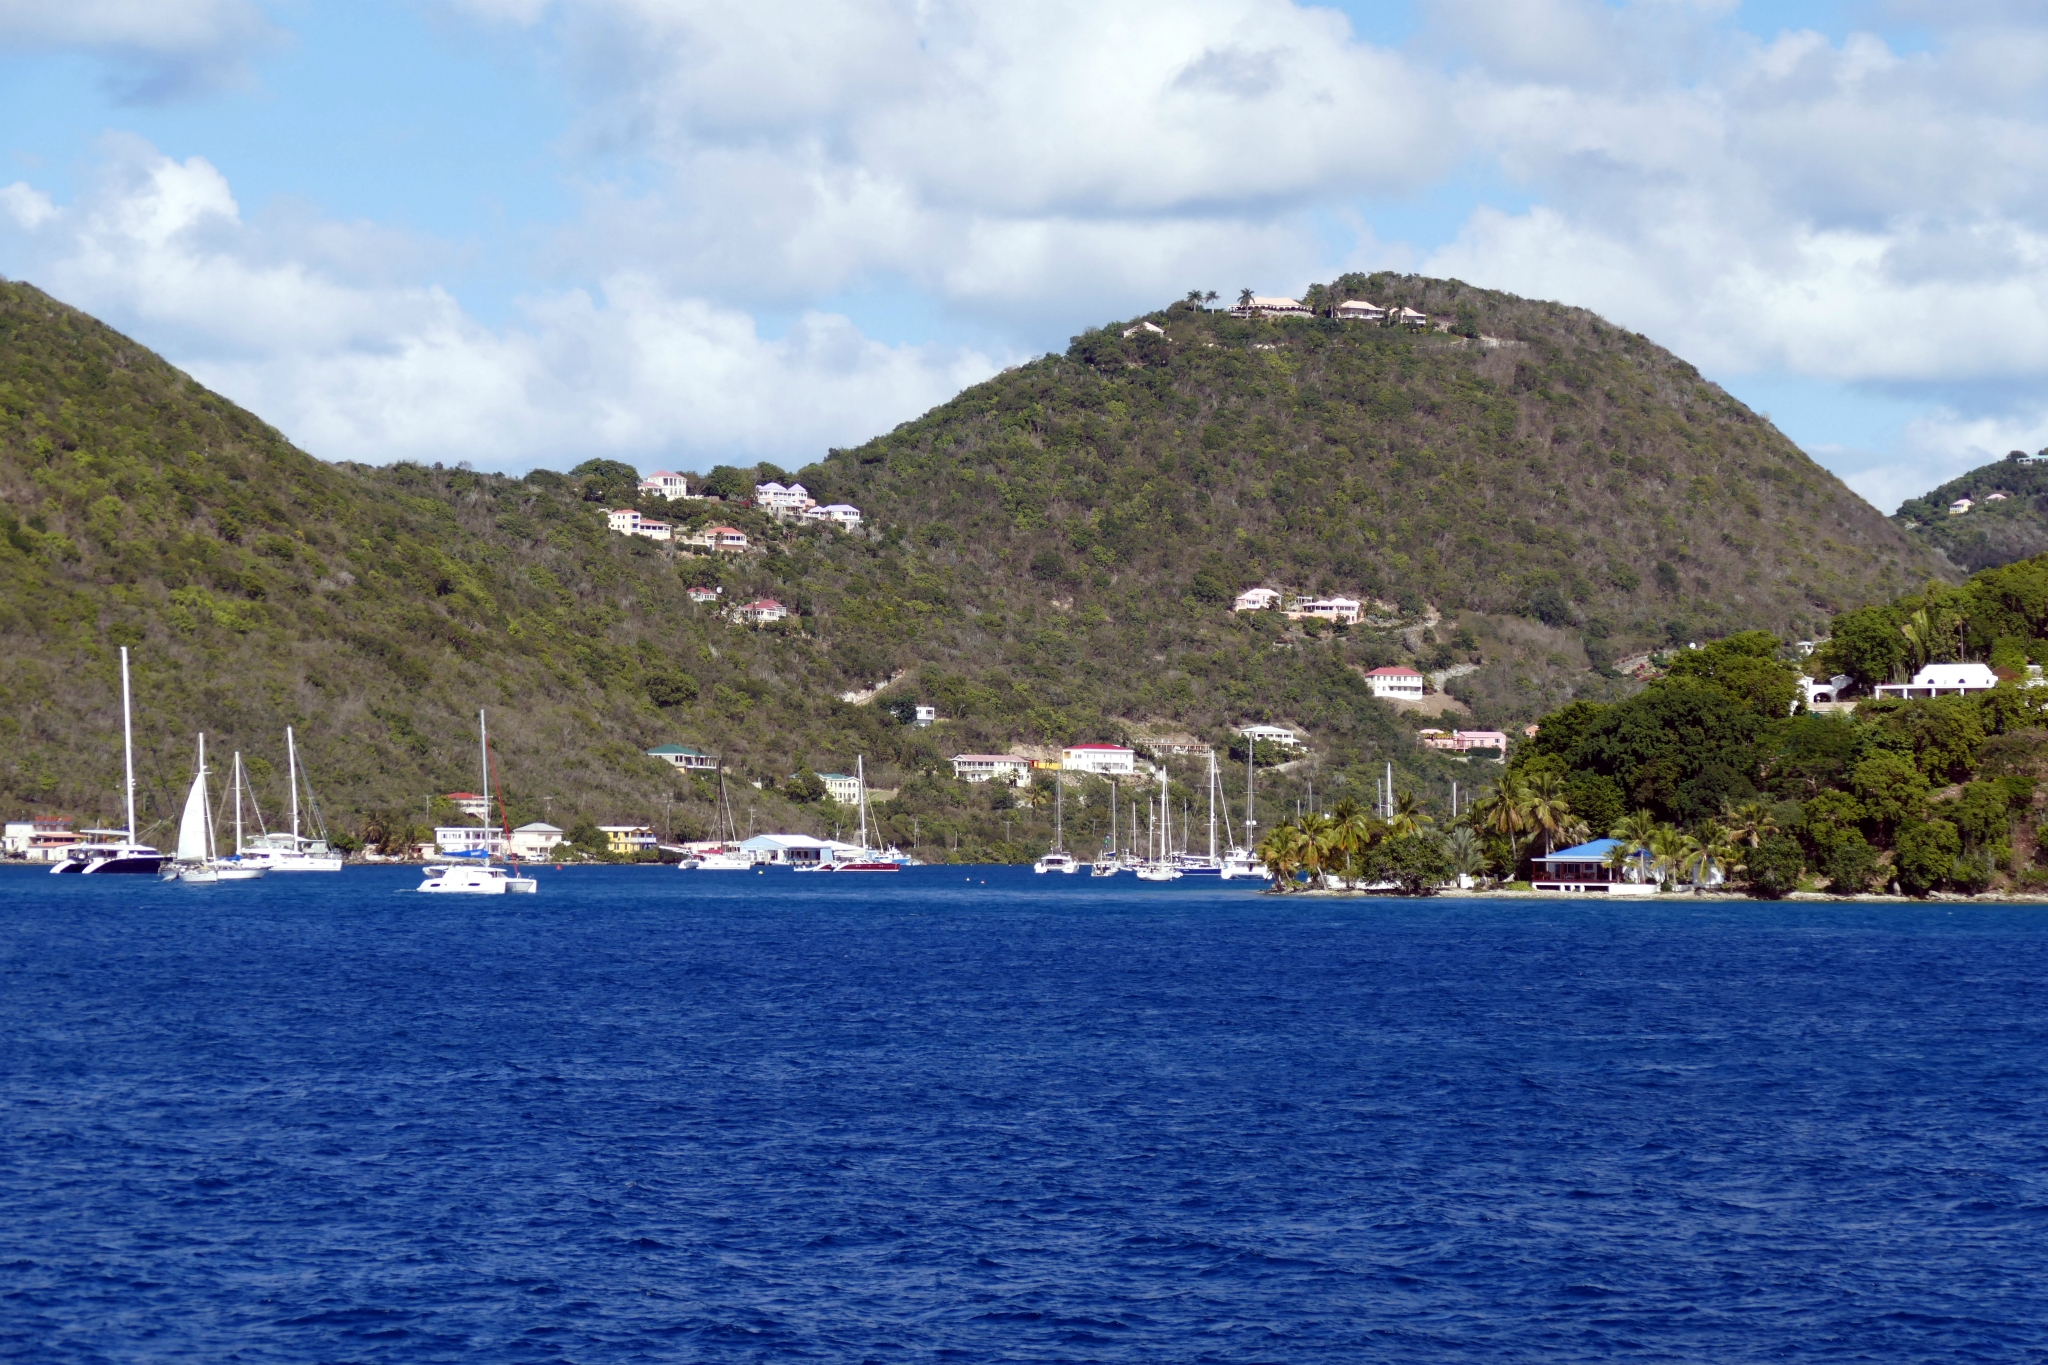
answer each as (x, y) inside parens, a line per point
(1276, 307)
(1960, 506)
(1271, 734)
(1257, 599)
(1012, 768)
(835, 514)
(665, 483)
(1098, 758)
(777, 501)
(627, 522)
(841, 788)
(1342, 611)
(1360, 310)
(1942, 680)
(1396, 682)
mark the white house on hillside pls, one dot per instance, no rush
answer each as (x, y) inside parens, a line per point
(665, 483)
(1943, 680)
(837, 514)
(1271, 308)
(691, 760)
(536, 840)
(628, 522)
(1257, 599)
(1012, 768)
(1343, 611)
(1270, 734)
(1358, 310)
(1396, 682)
(776, 500)
(760, 612)
(1098, 758)
(841, 788)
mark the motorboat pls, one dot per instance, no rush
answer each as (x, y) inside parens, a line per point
(1057, 861)
(123, 855)
(1242, 862)
(475, 879)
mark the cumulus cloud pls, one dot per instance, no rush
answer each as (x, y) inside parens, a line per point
(289, 319)
(154, 49)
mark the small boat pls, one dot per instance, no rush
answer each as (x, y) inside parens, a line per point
(475, 879)
(124, 855)
(1057, 859)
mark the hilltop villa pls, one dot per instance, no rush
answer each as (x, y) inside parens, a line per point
(1011, 768)
(1342, 611)
(695, 760)
(778, 501)
(730, 539)
(1257, 599)
(1098, 758)
(665, 483)
(628, 522)
(1358, 310)
(1270, 734)
(1942, 680)
(835, 514)
(760, 611)
(1396, 682)
(1271, 308)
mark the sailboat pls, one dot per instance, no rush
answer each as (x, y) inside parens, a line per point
(481, 878)
(1161, 867)
(728, 857)
(1107, 865)
(867, 860)
(1057, 859)
(197, 861)
(235, 868)
(293, 852)
(1197, 864)
(125, 855)
(1244, 862)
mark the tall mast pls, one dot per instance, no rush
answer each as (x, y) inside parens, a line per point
(128, 745)
(237, 780)
(212, 852)
(1212, 805)
(1059, 812)
(860, 776)
(483, 744)
(1112, 819)
(1251, 821)
(291, 763)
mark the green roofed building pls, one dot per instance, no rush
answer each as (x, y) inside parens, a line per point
(694, 760)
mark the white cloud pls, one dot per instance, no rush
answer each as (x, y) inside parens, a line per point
(354, 367)
(156, 49)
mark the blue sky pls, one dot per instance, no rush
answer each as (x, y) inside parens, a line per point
(522, 232)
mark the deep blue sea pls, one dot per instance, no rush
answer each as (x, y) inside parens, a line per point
(657, 1116)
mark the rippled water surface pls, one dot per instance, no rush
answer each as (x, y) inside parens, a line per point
(648, 1115)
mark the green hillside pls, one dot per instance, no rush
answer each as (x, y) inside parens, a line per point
(1995, 530)
(1049, 557)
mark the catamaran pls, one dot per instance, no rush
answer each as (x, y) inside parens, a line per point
(481, 878)
(1242, 861)
(728, 857)
(1057, 859)
(124, 855)
(867, 860)
(293, 852)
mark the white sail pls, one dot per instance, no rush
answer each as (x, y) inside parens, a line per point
(192, 827)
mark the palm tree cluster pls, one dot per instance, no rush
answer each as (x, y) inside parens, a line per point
(1346, 845)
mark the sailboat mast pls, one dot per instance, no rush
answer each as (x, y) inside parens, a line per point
(1112, 818)
(1251, 820)
(1212, 805)
(205, 800)
(128, 745)
(291, 763)
(236, 778)
(860, 776)
(1059, 812)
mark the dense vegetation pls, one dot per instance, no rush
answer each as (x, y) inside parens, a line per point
(1996, 530)
(1712, 773)
(1049, 558)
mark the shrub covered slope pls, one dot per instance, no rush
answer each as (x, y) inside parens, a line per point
(1049, 557)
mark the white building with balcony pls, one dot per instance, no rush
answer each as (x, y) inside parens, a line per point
(1106, 759)
(835, 514)
(1012, 768)
(1396, 682)
(1942, 680)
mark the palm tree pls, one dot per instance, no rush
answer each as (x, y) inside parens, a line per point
(1704, 852)
(1749, 823)
(1464, 854)
(1547, 808)
(1636, 834)
(1667, 852)
(1501, 811)
(1245, 297)
(1283, 851)
(1408, 816)
(1208, 298)
(1325, 845)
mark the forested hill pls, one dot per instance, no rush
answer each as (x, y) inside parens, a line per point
(2006, 522)
(1536, 462)
(1049, 557)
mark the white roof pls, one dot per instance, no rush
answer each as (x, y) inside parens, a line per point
(1274, 303)
(1956, 675)
(537, 827)
(769, 488)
